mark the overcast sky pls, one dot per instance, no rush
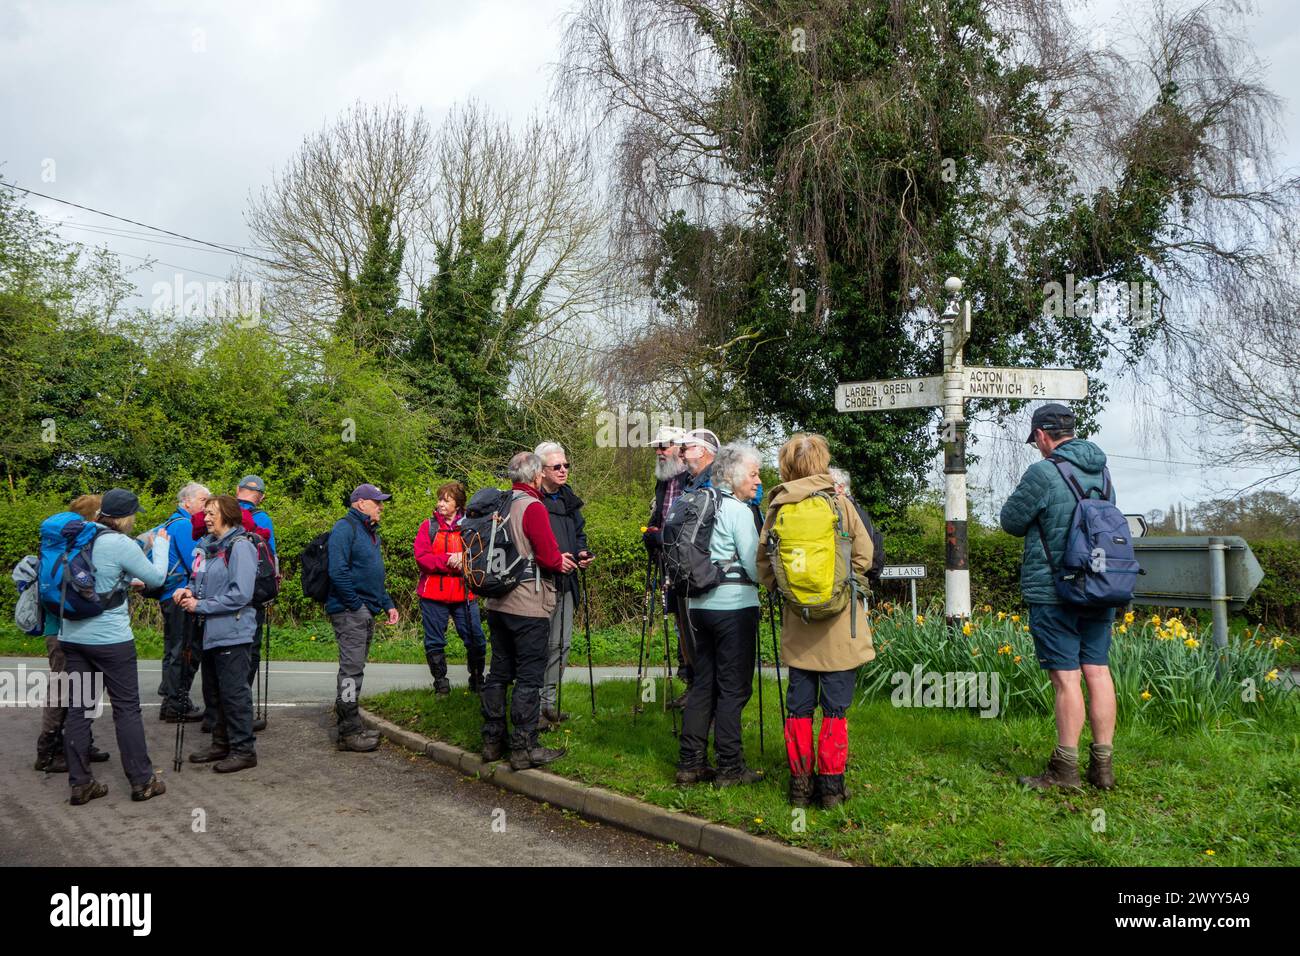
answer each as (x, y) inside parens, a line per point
(172, 114)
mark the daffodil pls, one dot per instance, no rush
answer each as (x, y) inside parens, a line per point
(1155, 620)
(1271, 675)
(1278, 643)
(1015, 618)
(1192, 643)
(987, 608)
(1128, 618)
(920, 619)
(967, 629)
(1025, 628)
(1146, 695)
(1002, 615)
(1016, 659)
(1123, 628)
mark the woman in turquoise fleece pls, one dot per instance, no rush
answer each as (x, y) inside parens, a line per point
(104, 645)
(722, 629)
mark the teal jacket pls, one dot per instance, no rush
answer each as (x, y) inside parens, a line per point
(1042, 499)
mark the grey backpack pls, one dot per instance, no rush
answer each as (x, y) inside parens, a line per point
(28, 613)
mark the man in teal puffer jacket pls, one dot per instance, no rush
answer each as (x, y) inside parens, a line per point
(1067, 638)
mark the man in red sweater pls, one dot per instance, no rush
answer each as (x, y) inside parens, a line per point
(520, 625)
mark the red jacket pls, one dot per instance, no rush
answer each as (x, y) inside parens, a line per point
(537, 528)
(438, 580)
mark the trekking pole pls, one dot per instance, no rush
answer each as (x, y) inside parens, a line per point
(776, 655)
(645, 625)
(257, 704)
(668, 671)
(586, 626)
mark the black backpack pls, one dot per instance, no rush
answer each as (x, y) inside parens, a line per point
(266, 586)
(493, 564)
(315, 565)
(877, 543)
(689, 567)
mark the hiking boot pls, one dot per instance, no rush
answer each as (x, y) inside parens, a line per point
(692, 775)
(259, 724)
(442, 687)
(87, 792)
(829, 790)
(1059, 773)
(153, 787)
(801, 790)
(98, 756)
(191, 716)
(211, 755)
(734, 776)
(52, 762)
(533, 757)
(555, 716)
(679, 703)
(1100, 772)
(358, 743)
(493, 750)
(236, 762)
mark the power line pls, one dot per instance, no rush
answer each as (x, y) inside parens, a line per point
(145, 225)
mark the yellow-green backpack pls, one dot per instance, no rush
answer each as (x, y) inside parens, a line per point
(811, 553)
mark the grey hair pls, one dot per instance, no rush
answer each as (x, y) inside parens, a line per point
(525, 466)
(732, 461)
(841, 477)
(190, 490)
(548, 448)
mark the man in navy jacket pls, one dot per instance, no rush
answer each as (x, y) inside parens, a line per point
(357, 595)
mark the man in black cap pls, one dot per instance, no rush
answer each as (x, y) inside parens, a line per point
(1067, 638)
(250, 494)
(357, 595)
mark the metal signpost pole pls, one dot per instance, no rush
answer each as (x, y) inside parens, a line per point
(1218, 600)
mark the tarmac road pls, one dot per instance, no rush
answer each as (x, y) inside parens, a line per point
(304, 804)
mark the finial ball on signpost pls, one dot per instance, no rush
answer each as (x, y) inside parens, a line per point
(952, 285)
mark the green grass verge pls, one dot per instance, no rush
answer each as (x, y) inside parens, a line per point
(403, 644)
(935, 787)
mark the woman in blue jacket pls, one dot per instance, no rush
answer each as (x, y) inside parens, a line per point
(221, 593)
(104, 645)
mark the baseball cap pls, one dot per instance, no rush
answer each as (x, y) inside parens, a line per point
(253, 483)
(1051, 417)
(702, 436)
(118, 503)
(666, 435)
(368, 492)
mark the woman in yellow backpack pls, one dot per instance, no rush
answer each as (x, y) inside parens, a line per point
(814, 552)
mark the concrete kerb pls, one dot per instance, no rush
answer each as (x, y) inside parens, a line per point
(713, 839)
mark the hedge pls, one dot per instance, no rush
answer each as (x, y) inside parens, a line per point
(617, 578)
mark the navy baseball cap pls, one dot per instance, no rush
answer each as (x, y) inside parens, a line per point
(1052, 418)
(118, 503)
(253, 483)
(367, 492)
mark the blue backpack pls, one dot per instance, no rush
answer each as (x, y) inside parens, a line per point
(1100, 567)
(67, 572)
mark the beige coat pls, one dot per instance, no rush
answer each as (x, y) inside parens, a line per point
(821, 645)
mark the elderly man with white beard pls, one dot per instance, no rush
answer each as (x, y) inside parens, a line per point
(670, 481)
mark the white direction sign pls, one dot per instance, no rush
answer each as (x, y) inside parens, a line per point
(889, 394)
(1064, 384)
(902, 571)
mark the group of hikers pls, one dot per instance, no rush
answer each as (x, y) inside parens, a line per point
(523, 552)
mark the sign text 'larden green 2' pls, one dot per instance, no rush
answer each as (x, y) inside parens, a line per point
(950, 391)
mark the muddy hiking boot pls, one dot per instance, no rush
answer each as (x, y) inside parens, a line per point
(1101, 774)
(801, 790)
(153, 787)
(362, 742)
(1060, 772)
(534, 757)
(694, 773)
(237, 762)
(735, 776)
(829, 790)
(87, 792)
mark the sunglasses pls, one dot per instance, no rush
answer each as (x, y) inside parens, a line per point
(562, 466)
